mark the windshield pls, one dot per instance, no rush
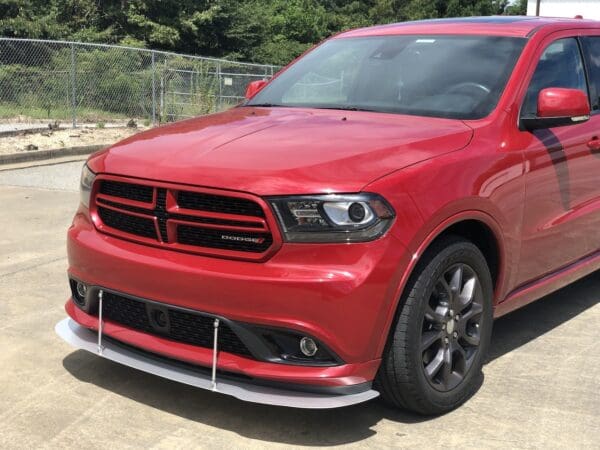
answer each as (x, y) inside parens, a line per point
(459, 77)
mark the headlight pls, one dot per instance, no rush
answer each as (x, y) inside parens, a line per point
(333, 218)
(85, 185)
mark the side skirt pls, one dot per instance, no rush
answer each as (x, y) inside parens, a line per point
(536, 289)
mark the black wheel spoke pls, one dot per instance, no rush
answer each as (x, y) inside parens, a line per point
(466, 295)
(429, 338)
(449, 378)
(446, 290)
(475, 311)
(456, 282)
(447, 364)
(467, 354)
(459, 352)
(455, 369)
(436, 315)
(435, 365)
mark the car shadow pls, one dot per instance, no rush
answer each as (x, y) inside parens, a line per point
(532, 321)
(315, 427)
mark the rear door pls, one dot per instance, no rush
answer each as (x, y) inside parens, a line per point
(561, 222)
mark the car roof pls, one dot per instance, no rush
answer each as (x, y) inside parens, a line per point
(517, 26)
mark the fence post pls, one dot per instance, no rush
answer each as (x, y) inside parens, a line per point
(73, 86)
(153, 89)
(162, 99)
(220, 99)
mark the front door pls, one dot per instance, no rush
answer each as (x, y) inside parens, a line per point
(562, 203)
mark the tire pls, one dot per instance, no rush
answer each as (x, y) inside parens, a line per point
(423, 368)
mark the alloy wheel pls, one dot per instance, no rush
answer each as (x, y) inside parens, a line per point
(451, 328)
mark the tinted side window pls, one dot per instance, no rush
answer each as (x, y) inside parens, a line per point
(591, 46)
(560, 66)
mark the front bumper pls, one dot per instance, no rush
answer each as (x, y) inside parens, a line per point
(85, 339)
(342, 295)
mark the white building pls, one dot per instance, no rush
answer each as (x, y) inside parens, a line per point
(589, 9)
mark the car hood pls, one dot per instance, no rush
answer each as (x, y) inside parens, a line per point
(278, 151)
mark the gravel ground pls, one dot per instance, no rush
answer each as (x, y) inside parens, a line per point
(16, 125)
(63, 138)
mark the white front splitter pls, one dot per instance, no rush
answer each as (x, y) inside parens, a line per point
(85, 339)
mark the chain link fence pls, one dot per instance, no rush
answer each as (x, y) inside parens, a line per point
(75, 82)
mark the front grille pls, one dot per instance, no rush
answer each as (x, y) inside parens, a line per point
(130, 191)
(218, 203)
(185, 327)
(183, 219)
(128, 223)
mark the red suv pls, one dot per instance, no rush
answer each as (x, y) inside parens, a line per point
(355, 225)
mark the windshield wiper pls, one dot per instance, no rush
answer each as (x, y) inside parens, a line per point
(339, 108)
(348, 108)
(266, 105)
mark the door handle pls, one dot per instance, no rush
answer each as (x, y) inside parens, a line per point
(594, 144)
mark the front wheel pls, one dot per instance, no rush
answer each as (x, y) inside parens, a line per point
(433, 359)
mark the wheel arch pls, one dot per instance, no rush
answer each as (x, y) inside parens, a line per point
(475, 226)
(482, 236)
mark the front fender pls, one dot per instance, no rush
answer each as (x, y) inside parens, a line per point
(487, 187)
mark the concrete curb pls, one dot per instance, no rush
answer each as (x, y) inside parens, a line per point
(23, 131)
(20, 157)
(39, 130)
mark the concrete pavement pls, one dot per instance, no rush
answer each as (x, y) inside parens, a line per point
(541, 388)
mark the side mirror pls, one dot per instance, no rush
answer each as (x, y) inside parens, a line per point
(254, 87)
(558, 107)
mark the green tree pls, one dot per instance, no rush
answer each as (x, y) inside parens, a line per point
(518, 8)
(273, 31)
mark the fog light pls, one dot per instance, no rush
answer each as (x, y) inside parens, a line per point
(308, 347)
(81, 290)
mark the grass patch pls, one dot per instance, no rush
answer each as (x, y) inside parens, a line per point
(11, 111)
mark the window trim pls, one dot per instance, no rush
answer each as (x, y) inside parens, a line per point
(596, 88)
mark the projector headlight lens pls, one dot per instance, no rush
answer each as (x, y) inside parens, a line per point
(333, 218)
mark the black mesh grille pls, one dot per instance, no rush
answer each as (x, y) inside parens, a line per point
(230, 240)
(219, 203)
(125, 222)
(130, 191)
(125, 311)
(135, 209)
(186, 327)
(163, 206)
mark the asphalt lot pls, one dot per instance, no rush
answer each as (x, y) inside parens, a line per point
(541, 388)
